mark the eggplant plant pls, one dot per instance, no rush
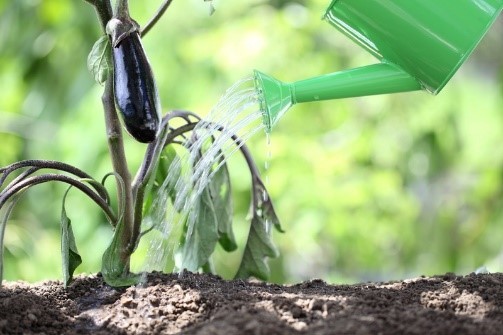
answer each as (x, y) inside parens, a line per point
(119, 63)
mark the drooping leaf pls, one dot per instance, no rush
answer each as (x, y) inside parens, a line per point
(69, 253)
(268, 212)
(99, 60)
(221, 197)
(259, 245)
(199, 241)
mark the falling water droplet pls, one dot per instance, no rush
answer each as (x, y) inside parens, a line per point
(266, 177)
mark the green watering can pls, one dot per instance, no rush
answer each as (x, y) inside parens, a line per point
(420, 45)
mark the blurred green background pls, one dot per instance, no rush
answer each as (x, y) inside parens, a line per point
(372, 188)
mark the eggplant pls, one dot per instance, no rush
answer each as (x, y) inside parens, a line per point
(136, 94)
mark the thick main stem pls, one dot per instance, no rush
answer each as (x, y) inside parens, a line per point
(127, 234)
(122, 9)
(116, 148)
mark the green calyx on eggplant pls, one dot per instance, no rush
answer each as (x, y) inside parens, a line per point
(135, 90)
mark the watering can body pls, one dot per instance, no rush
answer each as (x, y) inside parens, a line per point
(420, 44)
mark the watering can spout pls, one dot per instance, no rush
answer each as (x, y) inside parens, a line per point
(277, 97)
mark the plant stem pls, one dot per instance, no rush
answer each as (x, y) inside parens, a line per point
(149, 164)
(116, 148)
(103, 10)
(37, 164)
(122, 9)
(31, 181)
(156, 17)
(128, 235)
(142, 178)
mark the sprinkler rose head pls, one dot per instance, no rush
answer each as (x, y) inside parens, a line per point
(275, 98)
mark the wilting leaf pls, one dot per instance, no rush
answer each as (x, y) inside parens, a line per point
(199, 242)
(99, 61)
(259, 244)
(221, 197)
(69, 254)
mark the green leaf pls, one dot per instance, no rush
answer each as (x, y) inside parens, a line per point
(69, 254)
(200, 240)
(114, 269)
(221, 197)
(259, 244)
(99, 61)
(269, 214)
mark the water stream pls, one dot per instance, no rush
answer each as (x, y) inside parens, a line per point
(236, 113)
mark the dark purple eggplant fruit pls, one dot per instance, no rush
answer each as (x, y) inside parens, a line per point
(135, 90)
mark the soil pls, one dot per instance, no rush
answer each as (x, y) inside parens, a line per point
(204, 304)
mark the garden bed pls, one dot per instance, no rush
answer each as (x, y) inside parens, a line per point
(204, 304)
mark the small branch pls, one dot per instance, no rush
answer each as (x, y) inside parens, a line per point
(121, 208)
(32, 181)
(180, 131)
(42, 164)
(181, 114)
(155, 148)
(156, 17)
(143, 176)
(149, 164)
(36, 164)
(22, 176)
(152, 154)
